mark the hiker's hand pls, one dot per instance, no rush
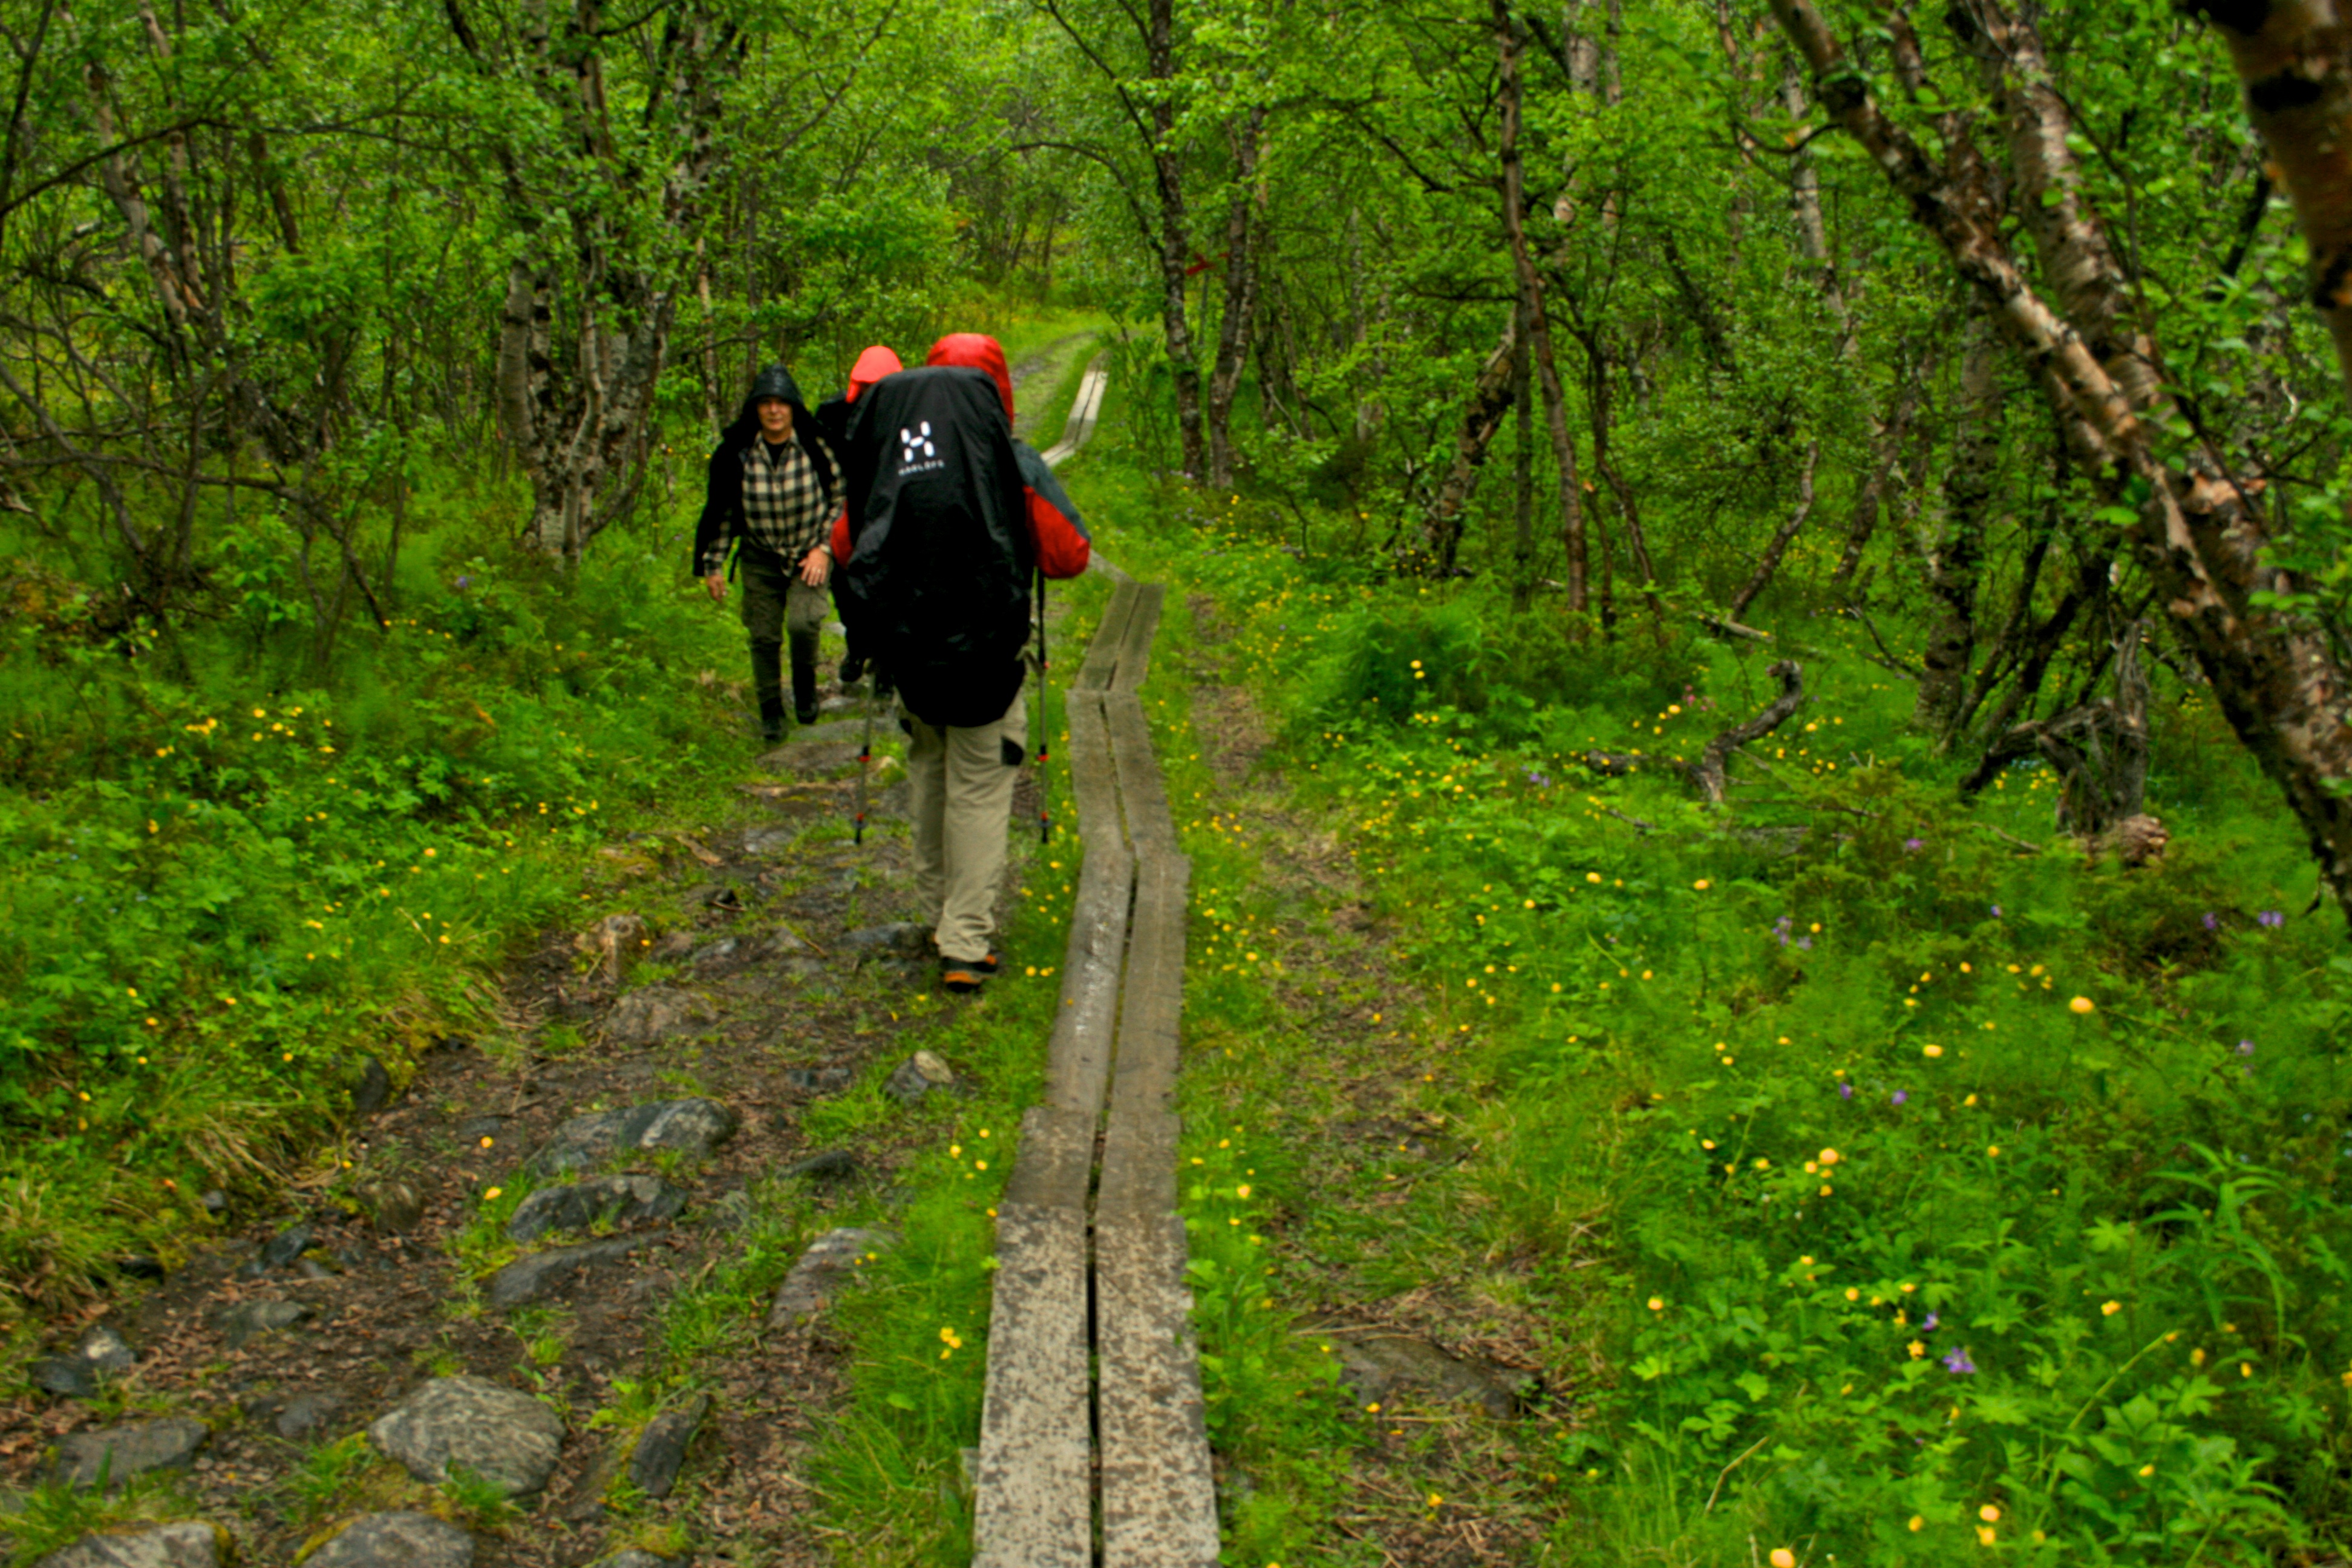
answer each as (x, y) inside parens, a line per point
(717, 584)
(817, 567)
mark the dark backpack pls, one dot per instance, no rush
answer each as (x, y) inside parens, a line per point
(936, 590)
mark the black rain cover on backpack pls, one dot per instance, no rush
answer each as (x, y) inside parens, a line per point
(937, 587)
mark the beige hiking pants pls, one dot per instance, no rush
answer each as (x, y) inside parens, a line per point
(963, 787)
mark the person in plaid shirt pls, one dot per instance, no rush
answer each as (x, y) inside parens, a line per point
(773, 491)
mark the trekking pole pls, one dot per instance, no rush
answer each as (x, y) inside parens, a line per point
(1044, 726)
(865, 753)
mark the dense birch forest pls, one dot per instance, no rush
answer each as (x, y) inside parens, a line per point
(1672, 486)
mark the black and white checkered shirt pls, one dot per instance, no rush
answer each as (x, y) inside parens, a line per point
(784, 505)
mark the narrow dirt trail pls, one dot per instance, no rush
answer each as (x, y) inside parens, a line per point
(544, 1254)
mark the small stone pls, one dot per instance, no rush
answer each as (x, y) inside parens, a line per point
(638, 1557)
(121, 1452)
(832, 1165)
(899, 936)
(786, 942)
(396, 1541)
(216, 1201)
(917, 1075)
(577, 1205)
(373, 1090)
(673, 944)
(306, 1415)
(831, 1261)
(527, 1280)
(506, 1438)
(396, 1206)
(769, 842)
(248, 1320)
(474, 1129)
(817, 1081)
(1374, 1366)
(661, 1450)
(188, 1544)
(695, 1126)
(653, 1014)
(713, 953)
(285, 1246)
(81, 1374)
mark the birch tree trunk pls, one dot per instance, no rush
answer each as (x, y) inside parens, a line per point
(1175, 232)
(1241, 297)
(1954, 554)
(2278, 677)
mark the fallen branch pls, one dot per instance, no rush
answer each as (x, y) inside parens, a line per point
(1708, 771)
(1722, 627)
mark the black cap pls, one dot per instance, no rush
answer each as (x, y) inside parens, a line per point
(775, 382)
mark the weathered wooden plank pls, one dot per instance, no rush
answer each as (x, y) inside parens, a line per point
(1142, 791)
(1033, 1504)
(1078, 1060)
(1151, 1003)
(1055, 1162)
(1139, 1164)
(1135, 642)
(1103, 653)
(1158, 1492)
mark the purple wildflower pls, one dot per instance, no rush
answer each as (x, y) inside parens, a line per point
(2212, 921)
(1958, 1363)
(2246, 1047)
(1899, 1097)
(464, 582)
(1929, 1326)
(1781, 928)
(2271, 918)
(1996, 910)
(1913, 846)
(1845, 1091)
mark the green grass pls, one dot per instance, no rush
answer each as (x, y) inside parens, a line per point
(2123, 1212)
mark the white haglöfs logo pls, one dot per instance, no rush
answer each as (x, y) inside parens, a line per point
(916, 442)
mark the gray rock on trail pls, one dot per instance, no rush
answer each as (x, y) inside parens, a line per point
(817, 1081)
(396, 1541)
(248, 1319)
(831, 1262)
(526, 1279)
(693, 1126)
(118, 1453)
(637, 1557)
(396, 1206)
(281, 1249)
(507, 1438)
(832, 1165)
(102, 1353)
(1375, 1367)
(188, 1544)
(576, 1206)
(917, 1075)
(661, 1449)
(372, 1092)
(307, 1414)
(903, 937)
(642, 1017)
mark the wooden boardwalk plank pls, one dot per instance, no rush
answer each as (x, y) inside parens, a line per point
(1111, 637)
(1159, 1493)
(1135, 644)
(1033, 1506)
(1078, 1060)
(1142, 791)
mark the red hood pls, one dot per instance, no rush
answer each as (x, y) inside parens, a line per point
(976, 350)
(872, 366)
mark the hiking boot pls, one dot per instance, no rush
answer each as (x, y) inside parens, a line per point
(968, 975)
(771, 718)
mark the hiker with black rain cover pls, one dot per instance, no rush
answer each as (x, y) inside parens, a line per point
(773, 487)
(948, 519)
